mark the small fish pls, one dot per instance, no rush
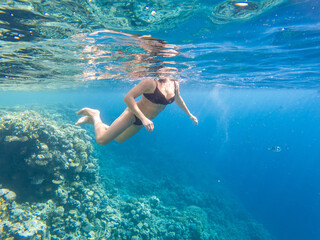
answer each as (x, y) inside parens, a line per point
(275, 149)
(37, 180)
(241, 4)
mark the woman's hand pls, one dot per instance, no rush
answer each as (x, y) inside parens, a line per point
(148, 124)
(194, 119)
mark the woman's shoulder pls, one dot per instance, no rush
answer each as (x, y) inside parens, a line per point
(149, 81)
(148, 84)
(176, 83)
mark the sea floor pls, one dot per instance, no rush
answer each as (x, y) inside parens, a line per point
(56, 183)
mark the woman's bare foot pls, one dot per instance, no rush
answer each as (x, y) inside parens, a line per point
(85, 119)
(89, 112)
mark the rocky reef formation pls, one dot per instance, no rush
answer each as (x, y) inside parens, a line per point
(39, 156)
(41, 161)
(50, 188)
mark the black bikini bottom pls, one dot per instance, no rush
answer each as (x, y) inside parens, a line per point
(138, 121)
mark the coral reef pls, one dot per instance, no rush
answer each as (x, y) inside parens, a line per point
(39, 156)
(51, 189)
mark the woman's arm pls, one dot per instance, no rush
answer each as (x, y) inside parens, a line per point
(144, 86)
(179, 101)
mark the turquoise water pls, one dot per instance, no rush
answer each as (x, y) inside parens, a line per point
(249, 74)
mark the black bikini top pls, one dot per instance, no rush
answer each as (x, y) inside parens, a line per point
(158, 98)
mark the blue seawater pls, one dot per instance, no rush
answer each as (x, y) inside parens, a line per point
(249, 74)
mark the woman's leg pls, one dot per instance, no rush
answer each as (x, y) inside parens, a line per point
(128, 133)
(104, 133)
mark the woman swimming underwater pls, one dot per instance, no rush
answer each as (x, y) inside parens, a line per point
(156, 94)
